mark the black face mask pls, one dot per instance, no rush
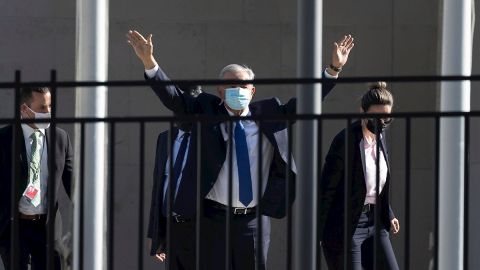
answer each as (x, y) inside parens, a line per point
(380, 126)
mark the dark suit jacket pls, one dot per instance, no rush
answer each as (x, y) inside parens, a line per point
(63, 173)
(332, 214)
(185, 203)
(274, 199)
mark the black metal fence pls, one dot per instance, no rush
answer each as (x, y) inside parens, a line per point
(199, 120)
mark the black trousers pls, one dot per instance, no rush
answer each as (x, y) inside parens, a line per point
(361, 253)
(244, 240)
(32, 246)
(182, 249)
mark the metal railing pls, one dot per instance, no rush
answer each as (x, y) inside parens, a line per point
(199, 121)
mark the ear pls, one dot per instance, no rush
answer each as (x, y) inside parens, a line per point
(220, 91)
(253, 91)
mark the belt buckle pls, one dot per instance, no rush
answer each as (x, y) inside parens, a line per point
(238, 211)
(178, 219)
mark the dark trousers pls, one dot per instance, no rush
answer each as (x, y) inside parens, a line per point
(361, 253)
(182, 254)
(244, 240)
(32, 246)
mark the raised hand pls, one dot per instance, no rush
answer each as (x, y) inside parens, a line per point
(143, 48)
(341, 50)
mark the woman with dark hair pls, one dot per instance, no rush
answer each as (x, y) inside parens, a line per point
(362, 176)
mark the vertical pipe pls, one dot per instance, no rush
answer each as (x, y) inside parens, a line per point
(378, 206)
(169, 194)
(17, 144)
(407, 194)
(199, 212)
(309, 55)
(437, 193)
(455, 96)
(466, 176)
(91, 64)
(81, 197)
(259, 247)
(319, 175)
(288, 206)
(140, 196)
(111, 200)
(348, 162)
(51, 175)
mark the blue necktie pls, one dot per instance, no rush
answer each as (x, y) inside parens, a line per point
(243, 165)
(177, 170)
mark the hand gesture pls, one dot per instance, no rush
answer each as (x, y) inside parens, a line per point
(341, 50)
(143, 48)
(395, 228)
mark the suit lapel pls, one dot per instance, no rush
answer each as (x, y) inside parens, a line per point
(23, 164)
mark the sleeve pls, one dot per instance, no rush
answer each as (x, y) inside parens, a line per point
(67, 176)
(391, 214)
(291, 106)
(170, 95)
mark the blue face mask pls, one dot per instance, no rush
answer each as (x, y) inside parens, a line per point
(238, 98)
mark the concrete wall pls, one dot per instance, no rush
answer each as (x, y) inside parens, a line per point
(195, 39)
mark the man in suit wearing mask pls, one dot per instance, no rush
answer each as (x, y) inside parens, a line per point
(35, 176)
(182, 211)
(235, 100)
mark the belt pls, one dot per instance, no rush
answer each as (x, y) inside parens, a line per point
(368, 208)
(32, 217)
(233, 210)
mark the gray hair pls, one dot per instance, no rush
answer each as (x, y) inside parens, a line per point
(237, 68)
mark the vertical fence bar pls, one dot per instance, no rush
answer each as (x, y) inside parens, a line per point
(229, 217)
(51, 174)
(466, 176)
(16, 159)
(377, 209)
(288, 205)
(346, 199)
(407, 193)
(437, 181)
(319, 191)
(81, 199)
(111, 198)
(169, 194)
(140, 196)
(259, 248)
(199, 212)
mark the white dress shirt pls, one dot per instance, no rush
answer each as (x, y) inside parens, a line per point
(176, 147)
(24, 206)
(219, 192)
(370, 166)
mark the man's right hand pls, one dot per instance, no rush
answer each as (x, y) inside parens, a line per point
(161, 256)
(143, 48)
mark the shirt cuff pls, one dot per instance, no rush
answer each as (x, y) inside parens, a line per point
(151, 72)
(328, 76)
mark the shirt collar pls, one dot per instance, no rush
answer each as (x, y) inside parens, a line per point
(28, 131)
